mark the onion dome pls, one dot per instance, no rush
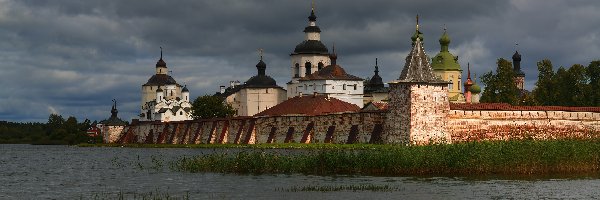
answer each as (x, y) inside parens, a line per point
(444, 60)
(376, 81)
(516, 56)
(517, 64)
(159, 90)
(261, 79)
(312, 17)
(475, 89)
(445, 39)
(185, 89)
(161, 63)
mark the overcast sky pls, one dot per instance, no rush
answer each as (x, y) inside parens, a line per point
(73, 57)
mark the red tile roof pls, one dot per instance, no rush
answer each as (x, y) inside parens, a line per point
(376, 105)
(310, 105)
(508, 107)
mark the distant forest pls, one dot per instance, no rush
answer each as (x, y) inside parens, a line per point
(56, 131)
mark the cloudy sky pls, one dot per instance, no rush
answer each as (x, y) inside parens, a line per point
(72, 57)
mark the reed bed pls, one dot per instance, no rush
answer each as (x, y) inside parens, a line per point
(472, 158)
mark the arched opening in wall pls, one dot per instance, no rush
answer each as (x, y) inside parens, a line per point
(320, 65)
(308, 67)
(297, 70)
(459, 86)
(451, 85)
(355, 86)
(344, 87)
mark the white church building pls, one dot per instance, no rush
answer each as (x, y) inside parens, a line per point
(315, 71)
(163, 99)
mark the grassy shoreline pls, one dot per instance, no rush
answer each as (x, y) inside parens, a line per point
(516, 157)
(525, 157)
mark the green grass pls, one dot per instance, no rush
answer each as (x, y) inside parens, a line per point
(524, 157)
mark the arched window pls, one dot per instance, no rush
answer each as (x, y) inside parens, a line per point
(451, 85)
(344, 87)
(308, 67)
(297, 70)
(320, 65)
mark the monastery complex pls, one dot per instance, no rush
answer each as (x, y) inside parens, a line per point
(429, 102)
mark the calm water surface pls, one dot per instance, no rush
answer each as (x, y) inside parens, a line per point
(66, 172)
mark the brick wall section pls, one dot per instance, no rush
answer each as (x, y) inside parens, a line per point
(469, 125)
(256, 130)
(463, 125)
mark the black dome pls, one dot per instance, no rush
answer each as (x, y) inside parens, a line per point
(261, 81)
(161, 79)
(311, 46)
(185, 89)
(161, 63)
(516, 56)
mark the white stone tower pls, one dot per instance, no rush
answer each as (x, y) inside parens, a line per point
(309, 56)
(419, 104)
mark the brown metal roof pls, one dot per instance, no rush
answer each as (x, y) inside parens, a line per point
(310, 106)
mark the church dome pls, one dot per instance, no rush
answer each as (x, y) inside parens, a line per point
(311, 46)
(160, 79)
(445, 39)
(161, 63)
(261, 81)
(185, 89)
(516, 56)
(475, 89)
(445, 61)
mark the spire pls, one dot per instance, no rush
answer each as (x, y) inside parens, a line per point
(161, 62)
(114, 110)
(333, 55)
(417, 68)
(312, 16)
(417, 33)
(468, 71)
(376, 68)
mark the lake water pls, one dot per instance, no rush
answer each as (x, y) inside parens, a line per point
(67, 172)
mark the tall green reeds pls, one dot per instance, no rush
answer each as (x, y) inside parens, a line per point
(499, 157)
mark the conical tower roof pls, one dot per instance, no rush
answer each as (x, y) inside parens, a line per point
(417, 68)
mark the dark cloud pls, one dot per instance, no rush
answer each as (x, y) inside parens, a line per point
(72, 57)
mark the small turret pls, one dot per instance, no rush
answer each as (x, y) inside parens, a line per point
(185, 93)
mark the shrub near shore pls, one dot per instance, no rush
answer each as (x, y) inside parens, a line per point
(472, 158)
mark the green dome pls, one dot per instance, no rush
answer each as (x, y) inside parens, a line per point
(444, 60)
(445, 39)
(475, 89)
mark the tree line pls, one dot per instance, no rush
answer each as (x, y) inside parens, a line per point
(577, 85)
(57, 130)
